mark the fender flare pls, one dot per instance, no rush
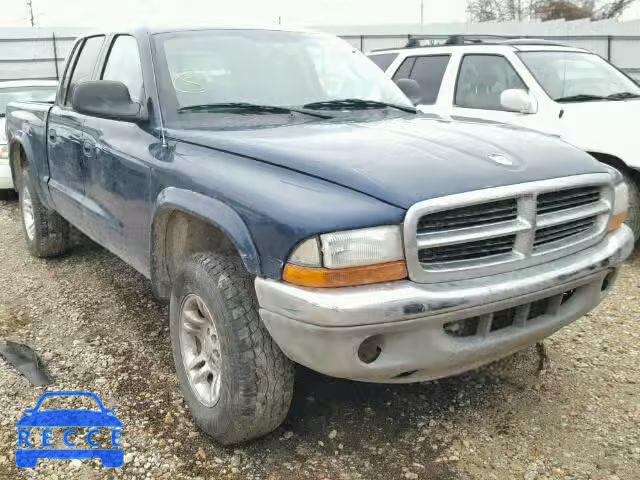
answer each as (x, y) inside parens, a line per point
(20, 142)
(15, 145)
(207, 209)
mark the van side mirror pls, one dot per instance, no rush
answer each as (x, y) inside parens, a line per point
(518, 100)
(411, 89)
(107, 99)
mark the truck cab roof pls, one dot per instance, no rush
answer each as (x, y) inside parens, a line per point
(145, 30)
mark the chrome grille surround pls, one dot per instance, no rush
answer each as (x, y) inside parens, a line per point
(525, 250)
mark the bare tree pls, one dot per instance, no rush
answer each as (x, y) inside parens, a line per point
(557, 9)
(499, 10)
(612, 9)
(522, 10)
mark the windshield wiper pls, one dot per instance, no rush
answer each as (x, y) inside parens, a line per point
(355, 103)
(623, 95)
(581, 97)
(245, 107)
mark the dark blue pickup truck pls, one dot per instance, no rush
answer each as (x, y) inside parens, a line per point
(293, 207)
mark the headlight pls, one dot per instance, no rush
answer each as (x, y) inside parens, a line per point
(4, 151)
(620, 206)
(348, 258)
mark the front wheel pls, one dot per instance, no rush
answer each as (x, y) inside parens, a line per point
(237, 382)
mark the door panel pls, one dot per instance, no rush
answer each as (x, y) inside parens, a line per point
(65, 138)
(66, 162)
(118, 176)
(117, 188)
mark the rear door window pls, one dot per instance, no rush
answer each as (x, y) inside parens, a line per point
(64, 82)
(429, 71)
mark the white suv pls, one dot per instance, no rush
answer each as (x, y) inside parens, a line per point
(563, 91)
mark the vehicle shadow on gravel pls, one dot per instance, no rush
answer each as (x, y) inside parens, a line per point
(390, 427)
(321, 403)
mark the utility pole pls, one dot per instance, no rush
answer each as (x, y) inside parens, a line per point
(30, 7)
(421, 12)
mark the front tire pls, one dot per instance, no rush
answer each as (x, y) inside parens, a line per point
(45, 231)
(633, 215)
(236, 380)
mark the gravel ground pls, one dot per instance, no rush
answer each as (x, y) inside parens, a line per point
(98, 328)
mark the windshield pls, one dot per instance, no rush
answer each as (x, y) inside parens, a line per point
(266, 68)
(577, 75)
(19, 94)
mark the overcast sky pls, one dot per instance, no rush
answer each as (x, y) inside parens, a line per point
(13, 13)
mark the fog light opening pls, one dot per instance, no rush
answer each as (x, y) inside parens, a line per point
(370, 349)
(607, 282)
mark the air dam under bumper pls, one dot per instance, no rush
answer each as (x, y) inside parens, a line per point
(415, 332)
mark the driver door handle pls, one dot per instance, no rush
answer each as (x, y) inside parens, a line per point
(53, 136)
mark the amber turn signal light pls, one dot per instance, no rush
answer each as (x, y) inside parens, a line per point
(617, 221)
(344, 277)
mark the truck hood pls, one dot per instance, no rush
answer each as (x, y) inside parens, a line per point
(405, 160)
(605, 127)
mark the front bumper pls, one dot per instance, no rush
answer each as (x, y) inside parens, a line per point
(411, 324)
(6, 181)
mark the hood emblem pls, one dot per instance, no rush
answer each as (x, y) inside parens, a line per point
(501, 159)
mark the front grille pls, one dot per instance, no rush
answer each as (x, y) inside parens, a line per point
(519, 316)
(467, 251)
(471, 216)
(489, 231)
(574, 197)
(563, 231)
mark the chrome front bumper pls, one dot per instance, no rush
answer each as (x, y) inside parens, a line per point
(324, 329)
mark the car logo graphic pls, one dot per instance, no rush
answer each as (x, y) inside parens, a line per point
(28, 453)
(501, 159)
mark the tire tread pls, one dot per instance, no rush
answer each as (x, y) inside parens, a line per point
(265, 375)
(52, 231)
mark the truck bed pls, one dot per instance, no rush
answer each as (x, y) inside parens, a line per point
(28, 120)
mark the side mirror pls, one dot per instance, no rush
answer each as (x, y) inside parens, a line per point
(106, 99)
(517, 100)
(411, 89)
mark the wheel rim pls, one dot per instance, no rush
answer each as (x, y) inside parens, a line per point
(200, 348)
(27, 213)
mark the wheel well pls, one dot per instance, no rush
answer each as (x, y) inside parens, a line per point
(615, 162)
(177, 236)
(18, 160)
